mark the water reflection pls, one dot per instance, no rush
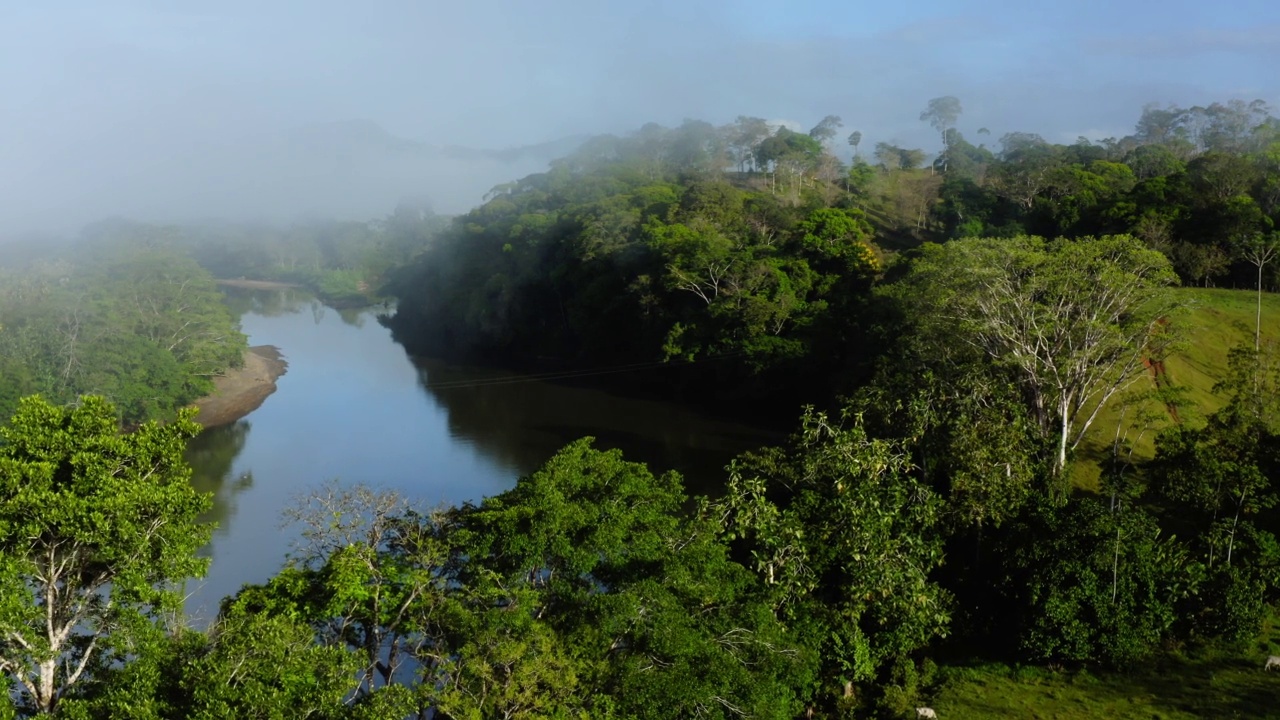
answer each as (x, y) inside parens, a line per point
(353, 406)
(266, 303)
(521, 422)
(212, 456)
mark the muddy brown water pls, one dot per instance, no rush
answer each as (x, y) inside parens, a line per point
(355, 408)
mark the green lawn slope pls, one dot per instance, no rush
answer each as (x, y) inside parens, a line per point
(1214, 322)
(1220, 687)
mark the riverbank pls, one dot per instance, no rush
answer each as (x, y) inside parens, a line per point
(242, 390)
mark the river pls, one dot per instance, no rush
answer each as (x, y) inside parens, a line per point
(354, 407)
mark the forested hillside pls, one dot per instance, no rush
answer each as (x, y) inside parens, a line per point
(752, 249)
(128, 315)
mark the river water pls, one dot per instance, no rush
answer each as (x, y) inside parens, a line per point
(354, 407)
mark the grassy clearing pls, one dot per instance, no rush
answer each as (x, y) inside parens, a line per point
(1208, 683)
(1171, 689)
(1215, 322)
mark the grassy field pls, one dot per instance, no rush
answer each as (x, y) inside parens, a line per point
(1209, 683)
(1215, 321)
(1226, 687)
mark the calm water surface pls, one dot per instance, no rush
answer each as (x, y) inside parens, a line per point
(354, 407)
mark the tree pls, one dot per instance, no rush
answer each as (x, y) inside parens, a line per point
(845, 536)
(96, 530)
(245, 666)
(842, 237)
(793, 154)
(942, 114)
(893, 157)
(1259, 251)
(369, 578)
(1223, 470)
(961, 158)
(1072, 319)
(1171, 127)
(590, 579)
(825, 131)
(699, 259)
(744, 135)
(1098, 581)
(855, 139)
(1026, 168)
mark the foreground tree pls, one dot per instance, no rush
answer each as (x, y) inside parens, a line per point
(844, 535)
(1097, 580)
(96, 530)
(368, 576)
(592, 594)
(247, 665)
(1219, 480)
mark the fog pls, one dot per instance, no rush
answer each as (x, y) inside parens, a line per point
(175, 111)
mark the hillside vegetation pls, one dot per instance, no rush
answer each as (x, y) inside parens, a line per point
(1211, 323)
(128, 316)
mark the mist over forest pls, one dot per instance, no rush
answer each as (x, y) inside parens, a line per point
(301, 111)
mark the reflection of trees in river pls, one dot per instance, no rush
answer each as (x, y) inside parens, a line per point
(521, 423)
(268, 303)
(212, 455)
(353, 317)
(274, 302)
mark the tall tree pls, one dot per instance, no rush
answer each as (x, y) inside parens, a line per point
(855, 139)
(825, 131)
(368, 577)
(744, 135)
(942, 113)
(97, 528)
(1073, 319)
(592, 557)
(1259, 251)
(845, 536)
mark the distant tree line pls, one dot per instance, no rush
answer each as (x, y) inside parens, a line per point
(753, 248)
(344, 263)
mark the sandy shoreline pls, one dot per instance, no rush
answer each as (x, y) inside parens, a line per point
(242, 390)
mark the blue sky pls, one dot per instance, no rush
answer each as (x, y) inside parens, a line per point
(93, 84)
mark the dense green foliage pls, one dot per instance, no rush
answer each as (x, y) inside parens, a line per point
(96, 528)
(818, 584)
(925, 510)
(756, 247)
(127, 315)
(639, 250)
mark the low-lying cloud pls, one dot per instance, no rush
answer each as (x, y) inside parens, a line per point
(279, 110)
